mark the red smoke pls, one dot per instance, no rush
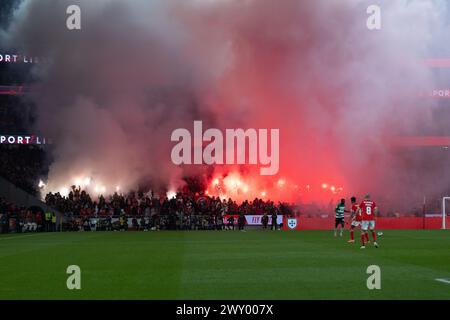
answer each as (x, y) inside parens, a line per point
(312, 69)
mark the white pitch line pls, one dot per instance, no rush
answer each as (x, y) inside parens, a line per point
(447, 281)
(23, 236)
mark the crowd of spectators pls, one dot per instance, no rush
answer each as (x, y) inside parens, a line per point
(185, 210)
(19, 219)
(139, 211)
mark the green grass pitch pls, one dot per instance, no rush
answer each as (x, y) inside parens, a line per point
(227, 265)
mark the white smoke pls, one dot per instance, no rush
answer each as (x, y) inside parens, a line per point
(137, 70)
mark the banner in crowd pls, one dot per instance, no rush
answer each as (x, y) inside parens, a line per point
(31, 139)
(252, 220)
(291, 223)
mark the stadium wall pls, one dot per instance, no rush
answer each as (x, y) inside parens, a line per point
(381, 223)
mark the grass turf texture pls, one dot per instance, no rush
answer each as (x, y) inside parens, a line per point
(223, 265)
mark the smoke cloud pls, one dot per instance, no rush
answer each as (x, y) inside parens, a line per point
(113, 92)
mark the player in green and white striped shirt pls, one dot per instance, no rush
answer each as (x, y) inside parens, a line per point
(339, 214)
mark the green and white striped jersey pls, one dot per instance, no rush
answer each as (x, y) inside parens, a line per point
(339, 211)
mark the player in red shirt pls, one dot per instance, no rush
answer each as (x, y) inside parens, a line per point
(368, 209)
(355, 218)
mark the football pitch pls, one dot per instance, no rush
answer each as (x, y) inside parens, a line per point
(229, 265)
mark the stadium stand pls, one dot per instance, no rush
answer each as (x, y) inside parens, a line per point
(146, 211)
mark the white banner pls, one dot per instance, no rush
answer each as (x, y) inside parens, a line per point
(255, 220)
